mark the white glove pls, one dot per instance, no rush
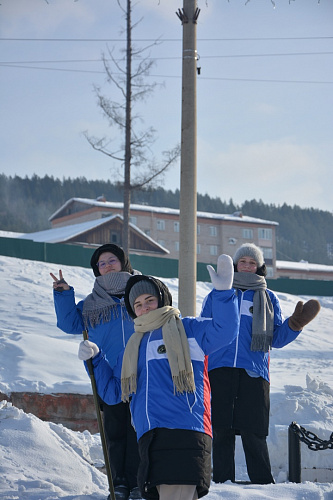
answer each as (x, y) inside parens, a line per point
(222, 280)
(87, 350)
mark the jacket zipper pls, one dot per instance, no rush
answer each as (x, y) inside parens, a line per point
(237, 338)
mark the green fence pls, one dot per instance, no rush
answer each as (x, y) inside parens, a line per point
(75, 255)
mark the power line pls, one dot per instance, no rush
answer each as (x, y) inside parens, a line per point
(161, 39)
(258, 80)
(227, 56)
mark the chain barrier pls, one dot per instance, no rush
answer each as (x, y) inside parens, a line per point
(312, 441)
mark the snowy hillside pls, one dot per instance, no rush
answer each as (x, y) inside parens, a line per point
(45, 461)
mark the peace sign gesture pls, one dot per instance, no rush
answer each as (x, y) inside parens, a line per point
(59, 284)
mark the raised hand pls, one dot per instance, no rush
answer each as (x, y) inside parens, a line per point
(59, 284)
(303, 314)
(223, 278)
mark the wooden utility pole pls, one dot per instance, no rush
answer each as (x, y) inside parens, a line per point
(128, 152)
(187, 269)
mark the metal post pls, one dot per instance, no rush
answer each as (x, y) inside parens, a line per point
(187, 270)
(294, 456)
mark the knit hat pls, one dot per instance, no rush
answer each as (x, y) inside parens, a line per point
(117, 251)
(140, 288)
(141, 284)
(249, 250)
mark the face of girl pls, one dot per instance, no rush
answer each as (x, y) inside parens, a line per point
(108, 263)
(145, 303)
(247, 265)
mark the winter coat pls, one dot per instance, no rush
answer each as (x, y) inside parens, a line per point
(155, 406)
(174, 456)
(238, 353)
(111, 337)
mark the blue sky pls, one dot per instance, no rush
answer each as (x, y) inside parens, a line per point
(264, 95)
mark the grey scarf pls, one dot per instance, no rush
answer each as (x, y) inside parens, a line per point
(263, 312)
(177, 350)
(100, 306)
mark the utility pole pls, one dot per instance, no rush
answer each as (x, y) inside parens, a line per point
(128, 132)
(187, 269)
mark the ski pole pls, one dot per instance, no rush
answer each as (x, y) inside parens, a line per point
(100, 422)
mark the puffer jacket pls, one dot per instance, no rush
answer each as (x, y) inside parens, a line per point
(238, 353)
(154, 405)
(111, 337)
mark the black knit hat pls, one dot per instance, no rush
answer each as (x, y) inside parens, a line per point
(140, 284)
(117, 251)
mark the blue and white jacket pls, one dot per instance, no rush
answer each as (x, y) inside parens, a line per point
(154, 404)
(238, 353)
(111, 337)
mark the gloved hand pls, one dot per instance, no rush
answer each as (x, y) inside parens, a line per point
(222, 280)
(87, 350)
(59, 285)
(303, 314)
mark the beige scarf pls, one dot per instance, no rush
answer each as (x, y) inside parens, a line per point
(177, 349)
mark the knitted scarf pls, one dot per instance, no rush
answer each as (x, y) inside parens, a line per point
(263, 312)
(177, 350)
(100, 306)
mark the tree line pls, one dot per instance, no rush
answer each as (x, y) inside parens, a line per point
(27, 203)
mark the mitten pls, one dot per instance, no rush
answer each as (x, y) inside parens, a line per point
(303, 314)
(223, 278)
(87, 350)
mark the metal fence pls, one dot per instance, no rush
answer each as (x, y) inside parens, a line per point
(76, 255)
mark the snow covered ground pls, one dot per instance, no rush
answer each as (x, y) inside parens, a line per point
(46, 461)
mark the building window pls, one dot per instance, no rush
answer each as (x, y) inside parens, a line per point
(114, 237)
(176, 227)
(270, 273)
(133, 220)
(147, 232)
(177, 246)
(268, 253)
(160, 225)
(198, 248)
(248, 234)
(213, 230)
(213, 249)
(198, 229)
(161, 242)
(264, 234)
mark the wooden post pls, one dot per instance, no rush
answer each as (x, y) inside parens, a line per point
(187, 270)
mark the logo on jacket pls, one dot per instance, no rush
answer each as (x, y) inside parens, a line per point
(161, 349)
(251, 309)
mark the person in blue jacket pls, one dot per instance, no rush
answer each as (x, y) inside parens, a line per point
(103, 314)
(164, 371)
(239, 372)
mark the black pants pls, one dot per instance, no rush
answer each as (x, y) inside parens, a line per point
(256, 455)
(121, 443)
(240, 405)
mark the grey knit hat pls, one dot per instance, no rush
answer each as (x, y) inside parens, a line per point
(140, 288)
(249, 250)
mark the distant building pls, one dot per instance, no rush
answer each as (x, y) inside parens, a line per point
(216, 233)
(303, 271)
(93, 233)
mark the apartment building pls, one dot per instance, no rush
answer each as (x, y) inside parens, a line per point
(216, 233)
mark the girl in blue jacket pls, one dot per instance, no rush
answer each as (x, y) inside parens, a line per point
(163, 370)
(103, 314)
(239, 372)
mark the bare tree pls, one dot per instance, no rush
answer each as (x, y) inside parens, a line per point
(135, 152)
